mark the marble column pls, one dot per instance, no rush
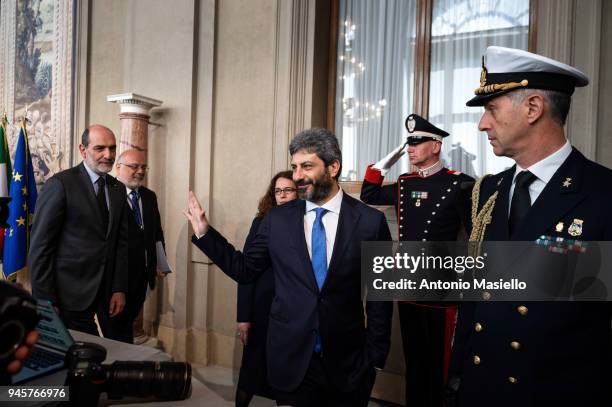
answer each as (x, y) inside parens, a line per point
(134, 116)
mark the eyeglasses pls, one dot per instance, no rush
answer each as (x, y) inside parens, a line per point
(136, 167)
(286, 191)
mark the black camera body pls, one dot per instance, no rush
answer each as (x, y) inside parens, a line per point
(88, 377)
(18, 316)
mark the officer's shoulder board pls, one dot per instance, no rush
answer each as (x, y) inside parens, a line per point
(453, 172)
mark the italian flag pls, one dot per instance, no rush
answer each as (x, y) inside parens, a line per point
(5, 170)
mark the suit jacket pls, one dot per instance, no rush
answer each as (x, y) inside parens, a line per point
(299, 309)
(254, 299)
(71, 253)
(540, 353)
(142, 259)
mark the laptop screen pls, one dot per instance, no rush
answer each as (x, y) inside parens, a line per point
(53, 342)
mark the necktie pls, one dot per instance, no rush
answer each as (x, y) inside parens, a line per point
(101, 198)
(319, 257)
(521, 201)
(134, 197)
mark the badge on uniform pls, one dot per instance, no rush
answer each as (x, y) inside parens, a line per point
(559, 227)
(410, 124)
(418, 195)
(575, 229)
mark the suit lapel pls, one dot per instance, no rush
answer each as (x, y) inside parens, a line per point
(147, 207)
(346, 224)
(560, 195)
(298, 240)
(116, 199)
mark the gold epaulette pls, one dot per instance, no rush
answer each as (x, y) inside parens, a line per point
(481, 219)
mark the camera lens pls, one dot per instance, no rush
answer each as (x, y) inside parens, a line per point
(12, 334)
(163, 380)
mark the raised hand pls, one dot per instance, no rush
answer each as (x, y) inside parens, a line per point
(196, 215)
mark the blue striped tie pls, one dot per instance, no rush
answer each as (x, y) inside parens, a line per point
(319, 257)
(134, 197)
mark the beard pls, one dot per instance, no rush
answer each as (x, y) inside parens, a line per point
(320, 188)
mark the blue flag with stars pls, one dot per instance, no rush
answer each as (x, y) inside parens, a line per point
(21, 209)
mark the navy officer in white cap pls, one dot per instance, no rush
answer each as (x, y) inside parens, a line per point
(432, 205)
(534, 353)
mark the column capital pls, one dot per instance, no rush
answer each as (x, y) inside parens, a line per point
(134, 103)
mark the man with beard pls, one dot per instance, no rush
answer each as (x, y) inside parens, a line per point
(320, 352)
(78, 247)
(145, 235)
(433, 204)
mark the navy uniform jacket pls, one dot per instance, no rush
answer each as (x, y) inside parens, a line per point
(299, 308)
(540, 353)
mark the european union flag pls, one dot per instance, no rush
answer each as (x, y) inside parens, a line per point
(21, 209)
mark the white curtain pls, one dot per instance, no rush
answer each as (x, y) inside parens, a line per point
(374, 82)
(461, 31)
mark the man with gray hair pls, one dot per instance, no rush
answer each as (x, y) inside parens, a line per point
(145, 241)
(319, 350)
(534, 353)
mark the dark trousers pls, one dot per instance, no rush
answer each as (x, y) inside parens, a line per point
(425, 338)
(84, 320)
(121, 327)
(316, 390)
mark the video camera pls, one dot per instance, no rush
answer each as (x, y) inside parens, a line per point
(88, 377)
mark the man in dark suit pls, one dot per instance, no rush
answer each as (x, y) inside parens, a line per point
(320, 352)
(78, 248)
(144, 234)
(534, 353)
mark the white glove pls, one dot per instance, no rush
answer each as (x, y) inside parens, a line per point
(386, 163)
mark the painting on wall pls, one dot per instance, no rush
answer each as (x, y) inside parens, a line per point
(36, 60)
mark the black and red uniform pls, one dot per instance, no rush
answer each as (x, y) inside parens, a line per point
(433, 205)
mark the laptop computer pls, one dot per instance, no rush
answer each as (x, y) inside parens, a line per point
(53, 342)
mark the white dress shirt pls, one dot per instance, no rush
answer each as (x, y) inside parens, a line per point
(543, 170)
(330, 222)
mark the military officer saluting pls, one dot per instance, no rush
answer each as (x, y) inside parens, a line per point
(432, 204)
(538, 353)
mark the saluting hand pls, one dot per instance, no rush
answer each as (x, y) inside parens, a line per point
(196, 215)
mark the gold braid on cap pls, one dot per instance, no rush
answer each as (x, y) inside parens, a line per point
(494, 87)
(500, 86)
(481, 219)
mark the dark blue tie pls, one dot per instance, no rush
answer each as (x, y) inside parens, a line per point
(319, 257)
(134, 197)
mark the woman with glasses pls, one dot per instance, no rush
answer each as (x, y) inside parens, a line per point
(254, 302)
